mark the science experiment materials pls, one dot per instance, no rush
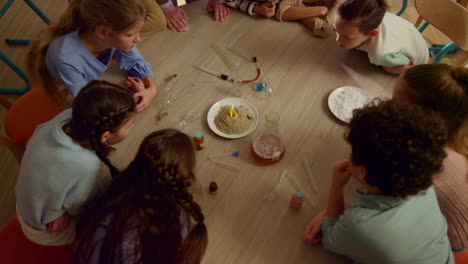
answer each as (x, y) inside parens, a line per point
(267, 147)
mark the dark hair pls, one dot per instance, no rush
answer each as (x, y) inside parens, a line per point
(401, 146)
(99, 107)
(444, 90)
(369, 13)
(153, 189)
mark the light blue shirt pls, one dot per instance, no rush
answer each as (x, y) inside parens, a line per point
(56, 174)
(72, 64)
(389, 230)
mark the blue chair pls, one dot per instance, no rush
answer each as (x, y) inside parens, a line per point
(451, 18)
(7, 60)
(403, 8)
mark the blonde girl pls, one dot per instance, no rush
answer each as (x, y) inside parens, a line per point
(144, 217)
(78, 48)
(61, 166)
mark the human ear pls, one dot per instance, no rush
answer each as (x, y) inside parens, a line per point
(102, 32)
(105, 136)
(373, 33)
(361, 173)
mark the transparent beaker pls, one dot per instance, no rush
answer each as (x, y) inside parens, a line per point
(267, 146)
(263, 89)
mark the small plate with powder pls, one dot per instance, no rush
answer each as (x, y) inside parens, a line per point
(222, 124)
(343, 100)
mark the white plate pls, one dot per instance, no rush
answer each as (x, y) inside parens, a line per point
(343, 100)
(214, 109)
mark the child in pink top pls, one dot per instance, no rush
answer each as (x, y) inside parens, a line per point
(444, 90)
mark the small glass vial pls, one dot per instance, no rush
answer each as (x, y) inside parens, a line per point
(199, 140)
(297, 200)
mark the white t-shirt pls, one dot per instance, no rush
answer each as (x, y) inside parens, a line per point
(396, 37)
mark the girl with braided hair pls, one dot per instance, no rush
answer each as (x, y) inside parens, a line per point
(61, 166)
(144, 216)
(444, 89)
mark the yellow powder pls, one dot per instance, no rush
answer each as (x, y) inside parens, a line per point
(233, 125)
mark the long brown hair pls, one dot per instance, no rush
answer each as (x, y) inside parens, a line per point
(153, 189)
(444, 90)
(369, 13)
(99, 107)
(86, 15)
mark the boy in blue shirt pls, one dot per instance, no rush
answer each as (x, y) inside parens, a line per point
(396, 149)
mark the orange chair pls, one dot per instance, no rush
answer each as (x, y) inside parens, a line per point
(462, 257)
(30, 110)
(15, 247)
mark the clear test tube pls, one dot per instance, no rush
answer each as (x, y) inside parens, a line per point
(226, 165)
(312, 180)
(272, 195)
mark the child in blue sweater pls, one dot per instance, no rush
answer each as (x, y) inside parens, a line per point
(61, 166)
(78, 48)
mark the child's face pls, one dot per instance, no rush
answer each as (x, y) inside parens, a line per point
(128, 38)
(348, 35)
(122, 132)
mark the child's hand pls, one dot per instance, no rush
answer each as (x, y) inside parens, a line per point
(59, 224)
(341, 173)
(135, 83)
(313, 231)
(144, 98)
(266, 9)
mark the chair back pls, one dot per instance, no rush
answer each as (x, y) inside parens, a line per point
(30, 110)
(447, 16)
(15, 247)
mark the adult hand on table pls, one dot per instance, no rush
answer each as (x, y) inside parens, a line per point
(221, 10)
(176, 19)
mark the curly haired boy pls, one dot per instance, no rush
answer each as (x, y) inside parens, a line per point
(395, 151)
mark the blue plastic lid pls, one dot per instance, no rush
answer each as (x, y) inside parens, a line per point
(198, 135)
(260, 86)
(236, 154)
(299, 195)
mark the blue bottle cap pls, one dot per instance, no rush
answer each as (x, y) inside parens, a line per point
(236, 154)
(198, 135)
(299, 195)
(260, 86)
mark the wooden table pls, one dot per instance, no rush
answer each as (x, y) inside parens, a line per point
(303, 70)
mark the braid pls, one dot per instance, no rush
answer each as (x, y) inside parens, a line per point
(194, 246)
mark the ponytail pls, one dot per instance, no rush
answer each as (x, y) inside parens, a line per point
(36, 56)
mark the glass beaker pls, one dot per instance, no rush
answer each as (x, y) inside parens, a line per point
(267, 147)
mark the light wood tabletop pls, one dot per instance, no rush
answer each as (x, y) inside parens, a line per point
(302, 70)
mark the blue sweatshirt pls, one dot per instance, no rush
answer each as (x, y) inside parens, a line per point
(56, 174)
(72, 64)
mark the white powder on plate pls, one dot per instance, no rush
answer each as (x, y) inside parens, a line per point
(346, 100)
